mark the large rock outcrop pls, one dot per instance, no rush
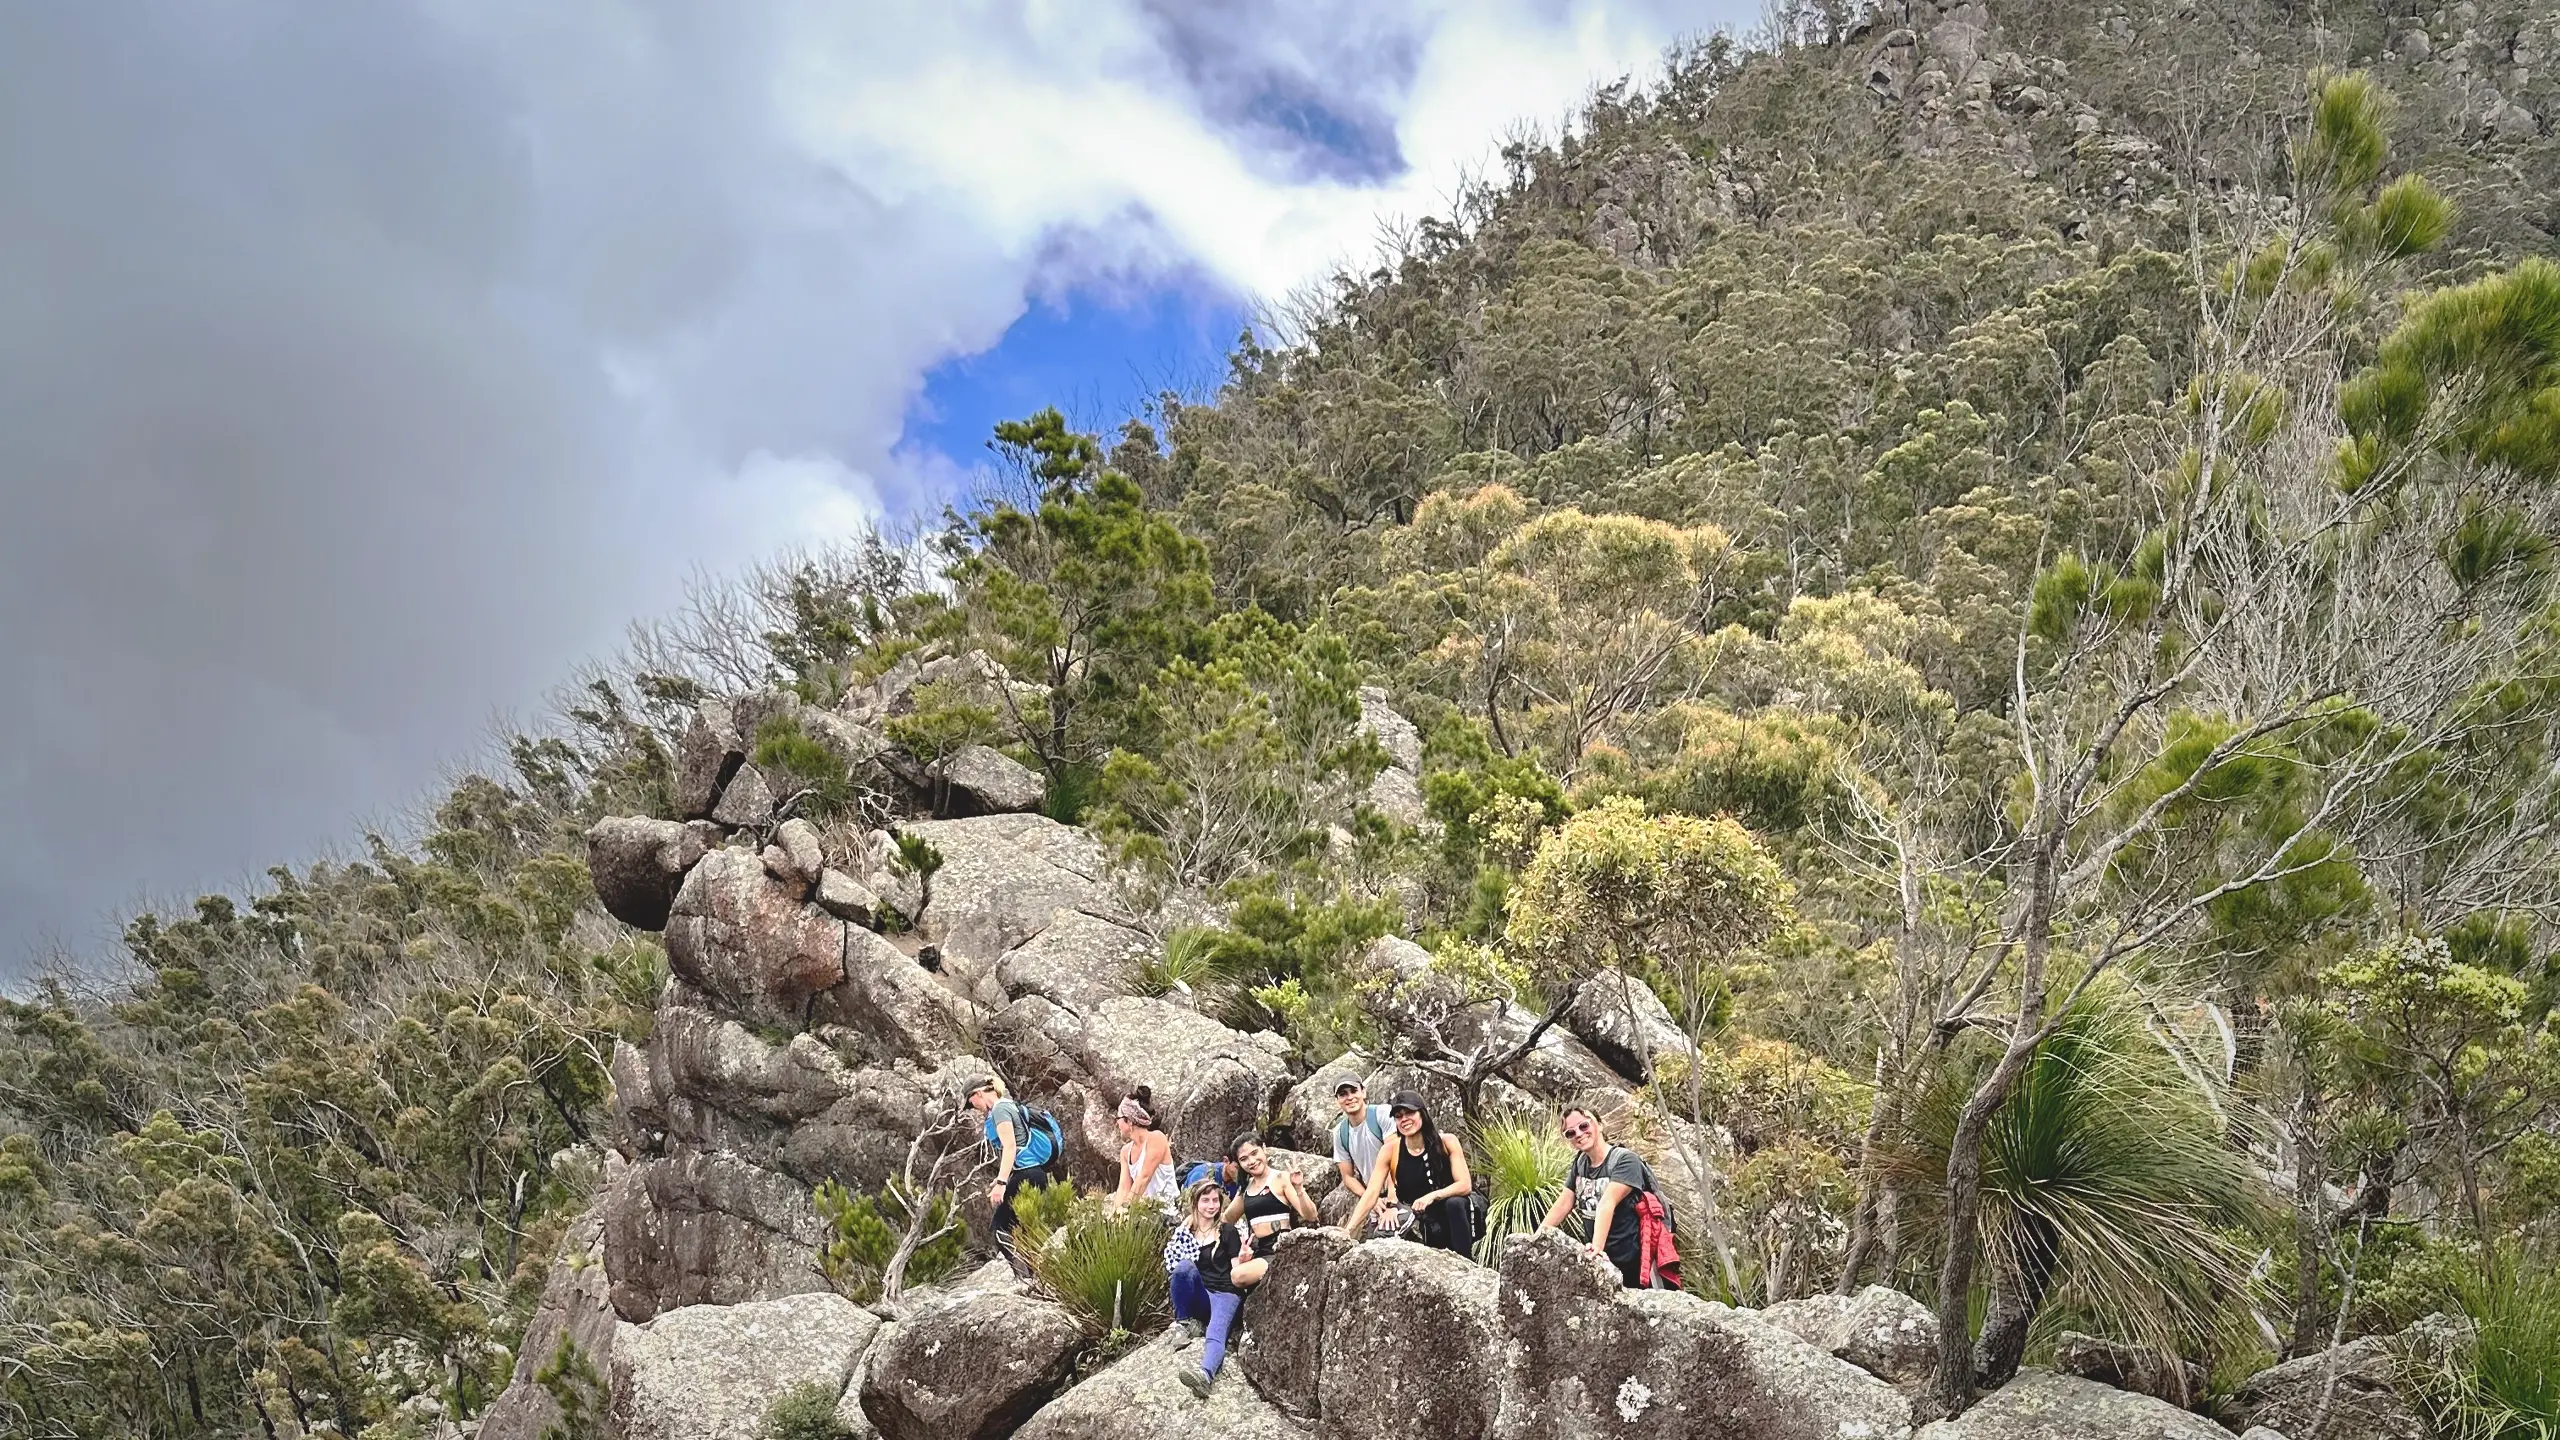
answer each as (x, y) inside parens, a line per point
(1141, 1397)
(1077, 961)
(1626, 1025)
(1280, 1341)
(972, 1367)
(2352, 1390)
(716, 1085)
(638, 864)
(1880, 1330)
(2041, 1405)
(740, 936)
(1411, 1345)
(710, 1372)
(1587, 1358)
(1211, 1084)
(706, 1228)
(1004, 879)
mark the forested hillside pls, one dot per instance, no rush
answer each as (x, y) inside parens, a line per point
(1998, 561)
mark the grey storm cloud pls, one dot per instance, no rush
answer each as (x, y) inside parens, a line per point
(365, 367)
(359, 373)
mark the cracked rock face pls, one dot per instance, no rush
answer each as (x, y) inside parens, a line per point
(710, 1372)
(1410, 1346)
(971, 1368)
(1587, 1358)
(706, 1229)
(2040, 1405)
(743, 938)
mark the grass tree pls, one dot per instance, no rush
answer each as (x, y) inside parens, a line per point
(2329, 578)
(2107, 1172)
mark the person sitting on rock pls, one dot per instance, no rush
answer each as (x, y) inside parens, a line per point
(1358, 1134)
(1026, 1156)
(1235, 1264)
(1146, 1157)
(1600, 1191)
(1194, 1232)
(1271, 1199)
(1428, 1171)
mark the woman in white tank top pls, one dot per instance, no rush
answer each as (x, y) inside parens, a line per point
(1146, 1157)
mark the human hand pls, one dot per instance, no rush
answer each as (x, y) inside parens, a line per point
(995, 1193)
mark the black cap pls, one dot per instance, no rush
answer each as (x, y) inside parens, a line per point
(1347, 1086)
(1405, 1100)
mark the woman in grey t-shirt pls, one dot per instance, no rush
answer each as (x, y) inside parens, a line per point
(1600, 1190)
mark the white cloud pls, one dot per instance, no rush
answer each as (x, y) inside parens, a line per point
(363, 368)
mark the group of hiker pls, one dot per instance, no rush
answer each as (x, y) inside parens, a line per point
(1411, 1178)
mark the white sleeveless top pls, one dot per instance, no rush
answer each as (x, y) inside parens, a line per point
(1160, 1186)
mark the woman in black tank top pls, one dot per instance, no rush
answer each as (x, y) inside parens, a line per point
(1271, 1199)
(1429, 1172)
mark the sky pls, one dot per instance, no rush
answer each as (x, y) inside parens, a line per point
(365, 368)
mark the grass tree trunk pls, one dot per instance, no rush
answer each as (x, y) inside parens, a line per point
(2017, 1293)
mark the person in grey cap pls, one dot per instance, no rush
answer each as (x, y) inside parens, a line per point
(1428, 1171)
(1359, 1133)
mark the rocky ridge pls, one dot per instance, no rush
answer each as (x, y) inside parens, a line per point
(824, 1015)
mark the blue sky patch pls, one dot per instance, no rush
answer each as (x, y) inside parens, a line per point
(1098, 356)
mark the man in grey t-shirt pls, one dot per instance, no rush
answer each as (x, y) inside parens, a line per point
(1600, 1191)
(1359, 1133)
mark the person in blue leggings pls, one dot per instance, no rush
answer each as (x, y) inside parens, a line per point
(1227, 1270)
(1195, 1232)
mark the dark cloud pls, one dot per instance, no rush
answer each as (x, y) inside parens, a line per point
(364, 367)
(1311, 86)
(358, 373)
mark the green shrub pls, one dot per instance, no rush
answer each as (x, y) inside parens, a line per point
(1521, 1159)
(806, 1411)
(794, 763)
(1039, 1211)
(861, 1238)
(1105, 1266)
(2504, 1383)
(1195, 960)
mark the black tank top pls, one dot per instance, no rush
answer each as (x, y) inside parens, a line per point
(1264, 1206)
(1414, 1173)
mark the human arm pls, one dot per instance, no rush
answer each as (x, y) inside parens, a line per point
(1004, 1161)
(1342, 1165)
(1294, 1194)
(1379, 1170)
(1460, 1181)
(1560, 1209)
(1126, 1191)
(1611, 1193)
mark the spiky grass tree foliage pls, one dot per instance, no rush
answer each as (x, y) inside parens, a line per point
(1105, 1266)
(2107, 1175)
(1521, 1157)
(2503, 1382)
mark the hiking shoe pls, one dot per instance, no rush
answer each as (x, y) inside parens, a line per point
(1196, 1380)
(1196, 1329)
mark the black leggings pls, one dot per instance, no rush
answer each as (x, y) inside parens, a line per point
(1015, 1184)
(1448, 1224)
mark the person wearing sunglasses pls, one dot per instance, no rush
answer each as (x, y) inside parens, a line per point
(1427, 1171)
(1600, 1191)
